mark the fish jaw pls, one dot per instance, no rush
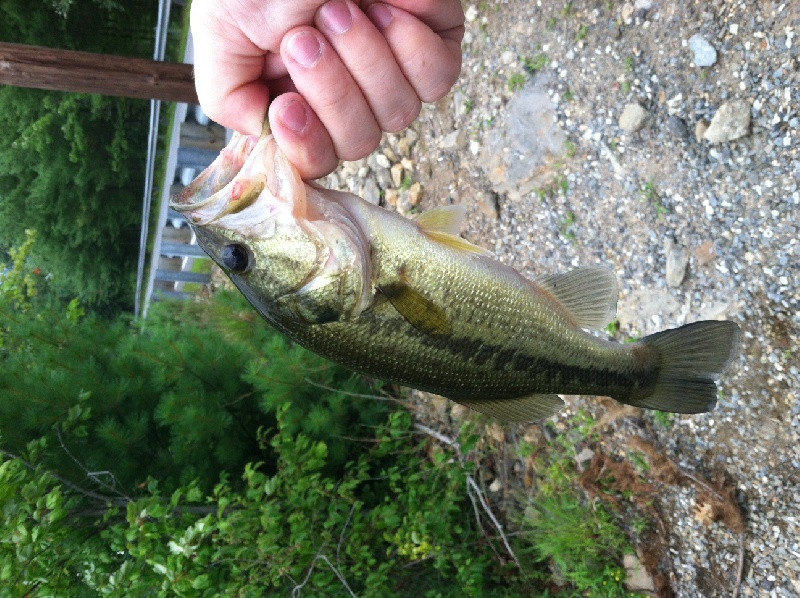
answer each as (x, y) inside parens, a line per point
(297, 261)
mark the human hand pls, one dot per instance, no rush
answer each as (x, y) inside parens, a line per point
(339, 72)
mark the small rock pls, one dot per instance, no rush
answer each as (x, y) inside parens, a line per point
(731, 121)
(705, 253)
(390, 197)
(384, 177)
(642, 7)
(704, 53)
(677, 127)
(456, 140)
(371, 192)
(637, 579)
(700, 129)
(496, 485)
(633, 118)
(533, 435)
(496, 432)
(382, 161)
(414, 194)
(674, 104)
(677, 260)
(390, 155)
(507, 57)
(585, 455)
(471, 14)
(627, 11)
(404, 148)
(718, 310)
(458, 412)
(487, 205)
(397, 175)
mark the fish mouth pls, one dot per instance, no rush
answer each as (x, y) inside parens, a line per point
(204, 193)
(250, 170)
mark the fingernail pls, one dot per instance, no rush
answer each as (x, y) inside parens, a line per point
(380, 15)
(305, 48)
(294, 116)
(336, 16)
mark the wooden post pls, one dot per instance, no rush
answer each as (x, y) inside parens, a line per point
(211, 136)
(67, 70)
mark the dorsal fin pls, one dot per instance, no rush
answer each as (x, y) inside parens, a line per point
(443, 225)
(522, 409)
(443, 219)
(589, 294)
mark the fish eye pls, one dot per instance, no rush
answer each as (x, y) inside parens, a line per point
(236, 258)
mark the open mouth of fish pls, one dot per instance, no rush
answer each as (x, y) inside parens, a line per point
(236, 181)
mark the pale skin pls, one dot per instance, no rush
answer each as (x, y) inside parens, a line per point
(330, 76)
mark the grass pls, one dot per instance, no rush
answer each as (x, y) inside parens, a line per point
(629, 64)
(663, 419)
(613, 328)
(516, 82)
(566, 227)
(650, 195)
(534, 64)
(580, 540)
(407, 182)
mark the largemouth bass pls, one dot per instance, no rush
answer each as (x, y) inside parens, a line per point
(412, 302)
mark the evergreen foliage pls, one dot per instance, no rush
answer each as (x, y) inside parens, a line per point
(180, 397)
(72, 165)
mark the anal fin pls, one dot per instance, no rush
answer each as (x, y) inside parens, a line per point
(522, 409)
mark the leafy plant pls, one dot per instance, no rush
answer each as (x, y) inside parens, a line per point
(534, 64)
(650, 195)
(581, 540)
(516, 82)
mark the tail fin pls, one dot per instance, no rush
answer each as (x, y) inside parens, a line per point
(690, 359)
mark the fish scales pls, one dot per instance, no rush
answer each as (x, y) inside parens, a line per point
(412, 302)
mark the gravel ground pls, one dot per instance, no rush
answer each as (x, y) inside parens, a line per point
(579, 134)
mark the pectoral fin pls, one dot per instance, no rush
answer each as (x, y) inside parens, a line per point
(422, 313)
(522, 409)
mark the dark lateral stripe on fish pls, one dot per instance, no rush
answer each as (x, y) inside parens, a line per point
(556, 377)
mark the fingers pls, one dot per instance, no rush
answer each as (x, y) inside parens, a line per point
(430, 60)
(344, 80)
(438, 15)
(370, 62)
(301, 136)
(346, 71)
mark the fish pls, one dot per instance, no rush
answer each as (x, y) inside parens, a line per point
(413, 302)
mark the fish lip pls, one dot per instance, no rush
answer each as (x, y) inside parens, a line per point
(206, 195)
